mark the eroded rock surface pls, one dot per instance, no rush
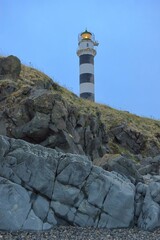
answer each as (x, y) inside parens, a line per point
(44, 118)
(41, 188)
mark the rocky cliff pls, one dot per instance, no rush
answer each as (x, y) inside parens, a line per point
(51, 139)
(34, 108)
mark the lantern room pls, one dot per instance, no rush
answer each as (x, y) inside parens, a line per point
(86, 35)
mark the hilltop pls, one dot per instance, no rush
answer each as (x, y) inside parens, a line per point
(35, 108)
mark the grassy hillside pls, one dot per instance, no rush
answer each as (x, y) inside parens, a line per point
(30, 77)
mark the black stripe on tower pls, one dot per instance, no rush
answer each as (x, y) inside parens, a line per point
(86, 58)
(86, 95)
(86, 77)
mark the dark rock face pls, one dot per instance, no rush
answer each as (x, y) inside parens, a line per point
(45, 118)
(131, 140)
(7, 90)
(125, 167)
(10, 67)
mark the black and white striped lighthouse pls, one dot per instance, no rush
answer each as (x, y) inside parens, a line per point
(86, 53)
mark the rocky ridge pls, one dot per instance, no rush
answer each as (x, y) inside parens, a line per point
(37, 110)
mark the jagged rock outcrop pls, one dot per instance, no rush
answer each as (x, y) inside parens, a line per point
(44, 118)
(147, 205)
(133, 140)
(41, 188)
(33, 111)
(122, 165)
(34, 108)
(10, 67)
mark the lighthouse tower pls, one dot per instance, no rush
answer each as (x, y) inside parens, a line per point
(86, 53)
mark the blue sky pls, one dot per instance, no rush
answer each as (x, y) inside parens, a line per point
(44, 34)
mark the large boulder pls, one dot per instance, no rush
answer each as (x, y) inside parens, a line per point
(41, 188)
(10, 67)
(122, 165)
(15, 205)
(149, 208)
(153, 166)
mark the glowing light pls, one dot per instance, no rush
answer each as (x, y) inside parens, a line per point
(86, 35)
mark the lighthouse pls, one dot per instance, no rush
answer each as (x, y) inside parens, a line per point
(86, 53)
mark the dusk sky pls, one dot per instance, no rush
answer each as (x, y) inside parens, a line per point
(44, 35)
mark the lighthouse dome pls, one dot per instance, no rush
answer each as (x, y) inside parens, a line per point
(86, 35)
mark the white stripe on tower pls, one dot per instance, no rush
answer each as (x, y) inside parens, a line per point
(86, 87)
(87, 68)
(86, 53)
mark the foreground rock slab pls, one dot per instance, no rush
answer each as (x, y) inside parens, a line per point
(41, 188)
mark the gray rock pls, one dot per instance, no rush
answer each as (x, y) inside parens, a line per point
(2, 127)
(141, 188)
(156, 178)
(65, 193)
(4, 145)
(96, 188)
(124, 166)
(73, 170)
(5, 92)
(79, 199)
(71, 215)
(33, 222)
(46, 188)
(106, 186)
(81, 220)
(37, 168)
(14, 205)
(154, 188)
(60, 208)
(6, 171)
(128, 138)
(156, 159)
(46, 226)
(59, 115)
(37, 129)
(41, 207)
(145, 170)
(51, 218)
(107, 221)
(65, 212)
(89, 209)
(119, 204)
(103, 220)
(149, 217)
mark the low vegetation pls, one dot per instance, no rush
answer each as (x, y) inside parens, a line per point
(30, 77)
